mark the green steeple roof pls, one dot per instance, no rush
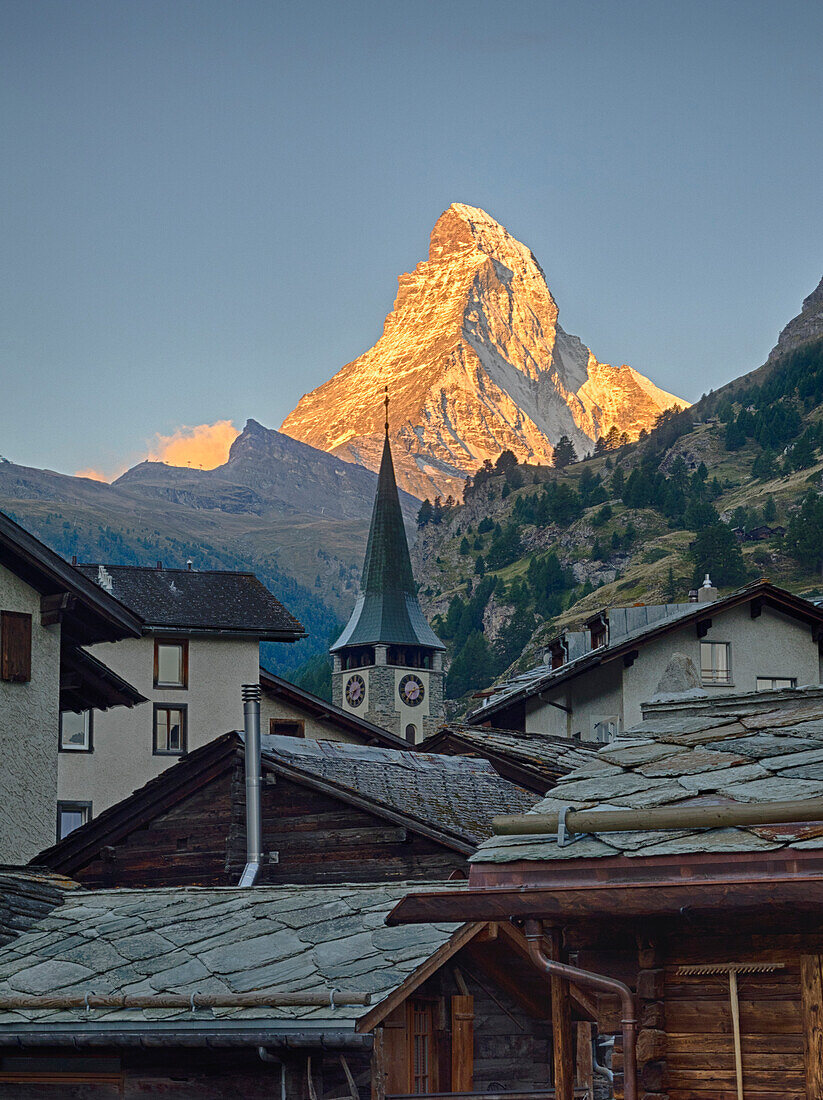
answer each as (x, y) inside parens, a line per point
(387, 611)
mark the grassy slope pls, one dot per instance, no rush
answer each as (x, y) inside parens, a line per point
(641, 574)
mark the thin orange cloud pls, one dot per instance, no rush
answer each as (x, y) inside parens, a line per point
(93, 475)
(204, 446)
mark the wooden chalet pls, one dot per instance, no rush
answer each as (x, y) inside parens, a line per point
(685, 861)
(291, 991)
(332, 812)
(533, 760)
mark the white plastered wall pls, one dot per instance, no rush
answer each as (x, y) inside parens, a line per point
(122, 759)
(771, 645)
(29, 718)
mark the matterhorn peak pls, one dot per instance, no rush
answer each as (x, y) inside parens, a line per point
(476, 363)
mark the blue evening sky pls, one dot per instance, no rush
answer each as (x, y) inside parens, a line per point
(206, 203)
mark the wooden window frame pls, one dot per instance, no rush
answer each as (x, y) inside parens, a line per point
(184, 729)
(432, 1005)
(69, 805)
(184, 663)
(15, 668)
(73, 749)
(299, 722)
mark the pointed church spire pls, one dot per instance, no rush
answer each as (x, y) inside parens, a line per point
(387, 610)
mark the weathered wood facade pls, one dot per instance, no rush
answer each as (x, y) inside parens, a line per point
(194, 833)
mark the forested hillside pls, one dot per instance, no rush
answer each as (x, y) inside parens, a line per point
(730, 487)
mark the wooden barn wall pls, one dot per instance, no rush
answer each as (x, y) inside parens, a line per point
(184, 846)
(685, 1047)
(699, 1047)
(512, 1048)
(320, 839)
(188, 1075)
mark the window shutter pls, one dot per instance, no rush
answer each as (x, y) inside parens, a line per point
(15, 646)
(462, 1044)
(396, 1052)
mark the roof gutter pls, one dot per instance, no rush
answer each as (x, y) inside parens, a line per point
(735, 814)
(533, 931)
(147, 1037)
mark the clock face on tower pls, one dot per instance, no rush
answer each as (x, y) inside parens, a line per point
(355, 690)
(411, 690)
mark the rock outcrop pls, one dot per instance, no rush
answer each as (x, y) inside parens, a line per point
(475, 362)
(805, 327)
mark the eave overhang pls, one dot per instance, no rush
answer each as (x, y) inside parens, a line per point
(629, 888)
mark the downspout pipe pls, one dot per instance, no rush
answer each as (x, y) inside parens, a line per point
(254, 815)
(534, 934)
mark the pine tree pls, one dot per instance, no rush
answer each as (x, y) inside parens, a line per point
(670, 591)
(564, 453)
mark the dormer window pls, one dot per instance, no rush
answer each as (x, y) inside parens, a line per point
(599, 632)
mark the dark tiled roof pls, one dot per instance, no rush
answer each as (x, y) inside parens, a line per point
(457, 794)
(27, 896)
(218, 942)
(387, 610)
(708, 758)
(182, 599)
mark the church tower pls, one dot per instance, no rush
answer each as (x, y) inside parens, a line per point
(388, 662)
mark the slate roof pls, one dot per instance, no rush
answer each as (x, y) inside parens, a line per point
(25, 897)
(456, 794)
(183, 599)
(631, 629)
(539, 757)
(387, 610)
(707, 758)
(284, 939)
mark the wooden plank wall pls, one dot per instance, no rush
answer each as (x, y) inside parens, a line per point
(184, 846)
(320, 839)
(699, 1055)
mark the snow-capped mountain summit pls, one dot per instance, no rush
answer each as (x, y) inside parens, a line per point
(475, 362)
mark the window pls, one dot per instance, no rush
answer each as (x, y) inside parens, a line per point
(15, 647)
(411, 733)
(75, 731)
(715, 666)
(169, 730)
(282, 727)
(775, 683)
(423, 1063)
(605, 730)
(171, 664)
(70, 816)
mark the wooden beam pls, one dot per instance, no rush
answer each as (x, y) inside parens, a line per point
(459, 940)
(561, 1025)
(756, 609)
(811, 992)
(586, 1005)
(584, 1058)
(462, 1021)
(703, 626)
(630, 657)
(53, 607)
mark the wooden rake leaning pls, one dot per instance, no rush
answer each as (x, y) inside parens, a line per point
(733, 969)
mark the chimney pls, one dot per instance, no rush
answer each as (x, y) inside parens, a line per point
(159, 565)
(254, 817)
(707, 593)
(189, 564)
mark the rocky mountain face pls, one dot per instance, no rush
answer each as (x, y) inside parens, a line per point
(475, 362)
(807, 326)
